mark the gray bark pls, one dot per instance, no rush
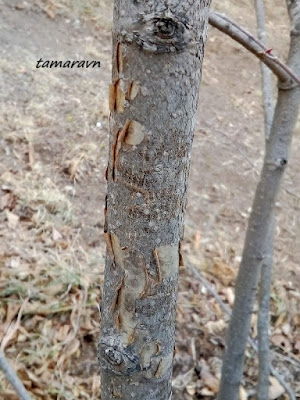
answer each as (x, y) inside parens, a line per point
(157, 61)
(266, 269)
(265, 71)
(263, 317)
(275, 161)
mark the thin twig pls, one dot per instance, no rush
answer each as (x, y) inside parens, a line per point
(13, 378)
(227, 310)
(284, 74)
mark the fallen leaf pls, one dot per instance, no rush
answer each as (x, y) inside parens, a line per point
(224, 272)
(229, 294)
(12, 219)
(191, 389)
(286, 328)
(281, 341)
(214, 327)
(275, 390)
(208, 379)
(207, 392)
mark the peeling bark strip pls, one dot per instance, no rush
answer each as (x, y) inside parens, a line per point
(157, 60)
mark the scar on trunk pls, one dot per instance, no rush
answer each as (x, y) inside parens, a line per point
(158, 349)
(117, 298)
(116, 96)
(135, 188)
(131, 338)
(107, 238)
(146, 354)
(158, 267)
(117, 250)
(118, 321)
(147, 284)
(119, 58)
(163, 365)
(133, 90)
(167, 260)
(132, 134)
(117, 146)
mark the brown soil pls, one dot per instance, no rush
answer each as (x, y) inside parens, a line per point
(53, 150)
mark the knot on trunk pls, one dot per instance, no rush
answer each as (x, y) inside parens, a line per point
(114, 357)
(162, 33)
(166, 28)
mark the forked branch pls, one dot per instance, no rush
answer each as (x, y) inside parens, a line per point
(286, 77)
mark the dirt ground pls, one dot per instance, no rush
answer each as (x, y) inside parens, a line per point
(53, 151)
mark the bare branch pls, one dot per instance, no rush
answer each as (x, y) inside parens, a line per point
(275, 161)
(287, 78)
(13, 378)
(265, 71)
(251, 341)
(266, 269)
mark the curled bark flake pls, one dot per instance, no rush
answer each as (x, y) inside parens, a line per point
(132, 134)
(135, 134)
(119, 59)
(116, 96)
(133, 90)
(147, 283)
(118, 321)
(120, 97)
(115, 152)
(158, 348)
(157, 262)
(148, 351)
(164, 365)
(131, 338)
(117, 251)
(167, 261)
(116, 302)
(109, 246)
(112, 97)
(131, 287)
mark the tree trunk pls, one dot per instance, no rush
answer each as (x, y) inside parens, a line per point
(275, 161)
(157, 58)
